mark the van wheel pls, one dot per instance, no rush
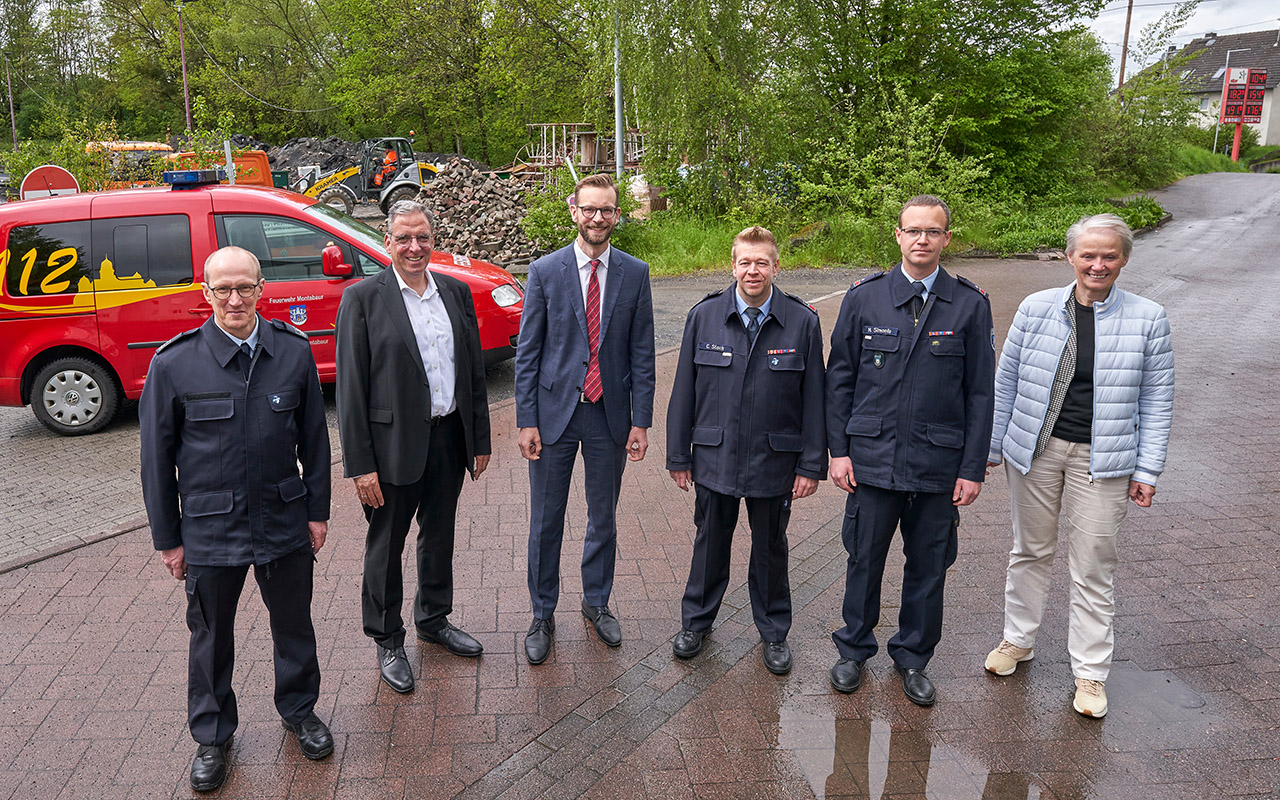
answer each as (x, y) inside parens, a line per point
(74, 396)
(396, 195)
(338, 199)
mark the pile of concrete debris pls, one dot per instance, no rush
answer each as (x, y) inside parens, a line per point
(477, 213)
(330, 153)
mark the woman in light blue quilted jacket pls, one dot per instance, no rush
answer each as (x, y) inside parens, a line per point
(1084, 401)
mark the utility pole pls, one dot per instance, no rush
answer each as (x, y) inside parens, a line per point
(619, 127)
(182, 48)
(12, 119)
(1124, 50)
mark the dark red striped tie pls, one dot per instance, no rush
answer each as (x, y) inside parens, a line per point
(592, 388)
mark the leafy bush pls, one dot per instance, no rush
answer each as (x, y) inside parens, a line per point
(872, 166)
(1141, 212)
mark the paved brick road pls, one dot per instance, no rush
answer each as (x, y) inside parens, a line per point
(93, 644)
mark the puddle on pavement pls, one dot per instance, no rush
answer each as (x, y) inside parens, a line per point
(871, 758)
(874, 759)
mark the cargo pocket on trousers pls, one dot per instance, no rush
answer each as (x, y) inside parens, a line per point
(849, 532)
(196, 620)
(953, 541)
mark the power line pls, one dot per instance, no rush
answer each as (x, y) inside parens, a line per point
(226, 75)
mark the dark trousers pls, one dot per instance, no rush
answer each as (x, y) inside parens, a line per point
(603, 460)
(433, 500)
(929, 522)
(212, 596)
(715, 516)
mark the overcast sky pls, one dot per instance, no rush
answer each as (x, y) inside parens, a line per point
(1217, 16)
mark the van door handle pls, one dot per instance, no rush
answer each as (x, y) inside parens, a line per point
(201, 309)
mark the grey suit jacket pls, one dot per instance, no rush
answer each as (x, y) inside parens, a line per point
(551, 357)
(384, 402)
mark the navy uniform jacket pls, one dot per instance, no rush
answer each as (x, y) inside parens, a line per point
(220, 455)
(746, 420)
(912, 406)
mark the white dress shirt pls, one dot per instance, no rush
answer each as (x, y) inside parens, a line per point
(584, 271)
(434, 333)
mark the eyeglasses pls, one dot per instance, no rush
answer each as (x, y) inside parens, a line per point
(928, 233)
(223, 292)
(403, 239)
(591, 211)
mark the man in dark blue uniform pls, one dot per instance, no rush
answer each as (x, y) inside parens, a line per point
(909, 411)
(228, 412)
(746, 421)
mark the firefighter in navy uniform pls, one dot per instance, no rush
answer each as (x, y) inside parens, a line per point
(227, 413)
(910, 388)
(746, 421)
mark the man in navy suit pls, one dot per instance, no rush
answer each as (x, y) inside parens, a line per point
(584, 378)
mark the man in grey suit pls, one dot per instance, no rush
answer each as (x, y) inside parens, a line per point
(584, 378)
(413, 414)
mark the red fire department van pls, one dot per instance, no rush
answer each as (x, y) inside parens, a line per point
(92, 284)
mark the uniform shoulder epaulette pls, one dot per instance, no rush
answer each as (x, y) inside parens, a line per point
(284, 326)
(179, 337)
(868, 279)
(710, 295)
(972, 285)
(800, 301)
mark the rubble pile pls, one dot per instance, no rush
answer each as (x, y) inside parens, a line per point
(330, 153)
(477, 213)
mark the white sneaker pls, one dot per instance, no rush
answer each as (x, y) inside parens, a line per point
(1091, 698)
(1006, 658)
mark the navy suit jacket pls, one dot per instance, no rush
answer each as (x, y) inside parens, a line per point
(551, 356)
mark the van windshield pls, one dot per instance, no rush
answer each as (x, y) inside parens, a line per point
(359, 232)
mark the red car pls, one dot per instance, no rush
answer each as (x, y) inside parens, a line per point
(94, 283)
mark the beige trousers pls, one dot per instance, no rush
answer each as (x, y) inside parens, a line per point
(1093, 510)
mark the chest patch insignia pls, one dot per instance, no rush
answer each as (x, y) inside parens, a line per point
(878, 359)
(275, 399)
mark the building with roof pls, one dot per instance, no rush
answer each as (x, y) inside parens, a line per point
(1203, 74)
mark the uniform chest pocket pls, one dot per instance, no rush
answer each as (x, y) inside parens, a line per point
(946, 346)
(884, 343)
(792, 362)
(284, 401)
(209, 409)
(713, 358)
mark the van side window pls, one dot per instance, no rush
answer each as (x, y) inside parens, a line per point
(368, 266)
(142, 252)
(47, 259)
(287, 250)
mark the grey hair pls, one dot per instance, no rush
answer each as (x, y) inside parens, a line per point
(227, 252)
(1101, 222)
(405, 208)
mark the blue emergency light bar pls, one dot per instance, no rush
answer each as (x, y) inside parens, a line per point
(192, 178)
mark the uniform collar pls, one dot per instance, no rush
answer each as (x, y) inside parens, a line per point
(224, 349)
(900, 291)
(733, 305)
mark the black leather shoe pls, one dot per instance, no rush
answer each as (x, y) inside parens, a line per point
(605, 623)
(537, 642)
(395, 669)
(314, 738)
(777, 657)
(846, 675)
(453, 639)
(687, 643)
(917, 686)
(209, 767)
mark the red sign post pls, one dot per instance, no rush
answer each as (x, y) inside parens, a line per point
(48, 181)
(1242, 93)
